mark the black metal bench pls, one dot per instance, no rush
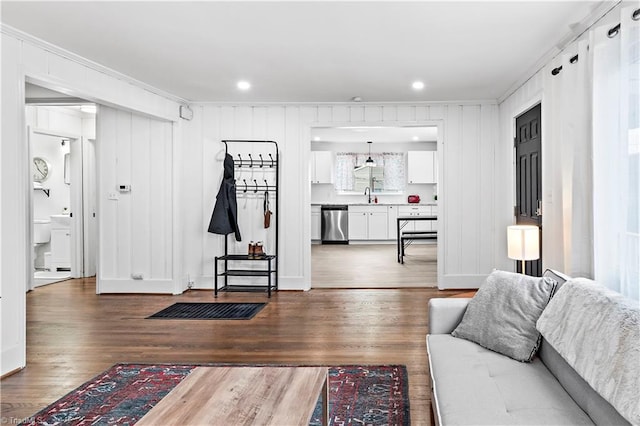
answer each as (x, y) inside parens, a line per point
(408, 237)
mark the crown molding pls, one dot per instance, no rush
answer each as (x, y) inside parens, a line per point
(349, 103)
(26, 37)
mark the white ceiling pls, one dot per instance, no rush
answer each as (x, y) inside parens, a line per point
(311, 51)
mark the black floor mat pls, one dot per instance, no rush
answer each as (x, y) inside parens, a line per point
(210, 311)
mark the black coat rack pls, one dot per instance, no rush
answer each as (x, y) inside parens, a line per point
(264, 161)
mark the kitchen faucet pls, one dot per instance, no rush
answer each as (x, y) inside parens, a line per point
(368, 190)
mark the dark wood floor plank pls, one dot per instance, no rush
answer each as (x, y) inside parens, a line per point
(74, 334)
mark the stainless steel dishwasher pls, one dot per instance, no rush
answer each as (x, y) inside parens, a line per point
(335, 224)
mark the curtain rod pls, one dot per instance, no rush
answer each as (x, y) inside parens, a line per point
(613, 31)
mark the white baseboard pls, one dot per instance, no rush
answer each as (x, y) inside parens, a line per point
(13, 359)
(136, 286)
(461, 281)
(284, 283)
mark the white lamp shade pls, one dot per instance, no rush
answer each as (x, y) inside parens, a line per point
(523, 242)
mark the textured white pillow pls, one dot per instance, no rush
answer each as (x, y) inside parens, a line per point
(502, 315)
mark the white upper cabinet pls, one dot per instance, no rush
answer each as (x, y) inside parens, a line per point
(422, 167)
(321, 167)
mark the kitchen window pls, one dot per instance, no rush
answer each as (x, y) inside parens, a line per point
(388, 175)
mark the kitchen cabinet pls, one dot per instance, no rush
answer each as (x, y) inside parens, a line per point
(368, 223)
(358, 225)
(321, 167)
(392, 216)
(60, 249)
(422, 167)
(419, 211)
(315, 223)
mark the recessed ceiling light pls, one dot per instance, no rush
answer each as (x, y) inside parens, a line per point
(417, 85)
(415, 138)
(357, 99)
(244, 85)
(317, 138)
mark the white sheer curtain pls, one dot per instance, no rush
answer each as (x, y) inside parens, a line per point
(567, 146)
(616, 154)
(345, 163)
(392, 163)
(394, 171)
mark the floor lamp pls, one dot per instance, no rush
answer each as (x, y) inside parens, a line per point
(523, 243)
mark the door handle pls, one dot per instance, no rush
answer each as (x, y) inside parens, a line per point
(539, 209)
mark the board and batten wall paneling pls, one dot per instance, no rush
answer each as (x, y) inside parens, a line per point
(15, 228)
(527, 96)
(25, 58)
(467, 194)
(136, 229)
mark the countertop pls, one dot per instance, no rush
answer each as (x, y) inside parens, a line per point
(375, 204)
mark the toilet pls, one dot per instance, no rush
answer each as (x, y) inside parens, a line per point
(41, 235)
(41, 231)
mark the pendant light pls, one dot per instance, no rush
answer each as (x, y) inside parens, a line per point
(370, 162)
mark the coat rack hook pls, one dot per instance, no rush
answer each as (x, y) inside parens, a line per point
(266, 184)
(245, 185)
(271, 160)
(256, 183)
(240, 158)
(251, 161)
(261, 161)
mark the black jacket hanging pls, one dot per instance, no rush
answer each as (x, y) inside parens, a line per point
(224, 219)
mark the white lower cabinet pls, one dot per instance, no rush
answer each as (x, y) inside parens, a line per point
(60, 249)
(422, 225)
(392, 221)
(358, 225)
(315, 223)
(377, 226)
(368, 223)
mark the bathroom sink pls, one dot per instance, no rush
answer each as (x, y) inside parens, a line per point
(60, 220)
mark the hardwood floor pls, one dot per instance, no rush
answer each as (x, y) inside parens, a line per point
(373, 266)
(74, 334)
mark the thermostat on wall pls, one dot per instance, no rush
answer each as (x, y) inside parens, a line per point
(124, 188)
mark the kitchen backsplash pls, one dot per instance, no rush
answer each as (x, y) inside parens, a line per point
(326, 194)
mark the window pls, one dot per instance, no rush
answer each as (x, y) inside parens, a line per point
(388, 175)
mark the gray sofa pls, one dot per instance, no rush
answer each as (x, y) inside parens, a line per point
(472, 385)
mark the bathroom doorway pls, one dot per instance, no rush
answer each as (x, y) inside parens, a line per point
(62, 152)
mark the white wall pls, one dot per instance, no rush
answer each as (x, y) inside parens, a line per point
(537, 89)
(136, 230)
(25, 58)
(466, 201)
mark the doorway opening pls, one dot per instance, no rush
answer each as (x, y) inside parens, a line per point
(370, 173)
(528, 154)
(61, 139)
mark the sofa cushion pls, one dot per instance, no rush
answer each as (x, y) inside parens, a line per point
(599, 410)
(473, 385)
(502, 316)
(585, 317)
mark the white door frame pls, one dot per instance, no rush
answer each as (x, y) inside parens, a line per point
(90, 207)
(305, 133)
(75, 200)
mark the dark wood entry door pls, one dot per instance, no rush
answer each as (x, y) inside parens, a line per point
(528, 144)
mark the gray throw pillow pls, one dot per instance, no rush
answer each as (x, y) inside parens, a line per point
(502, 315)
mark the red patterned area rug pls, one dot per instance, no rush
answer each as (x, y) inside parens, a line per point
(122, 395)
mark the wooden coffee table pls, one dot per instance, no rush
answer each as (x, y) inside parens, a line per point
(244, 396)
